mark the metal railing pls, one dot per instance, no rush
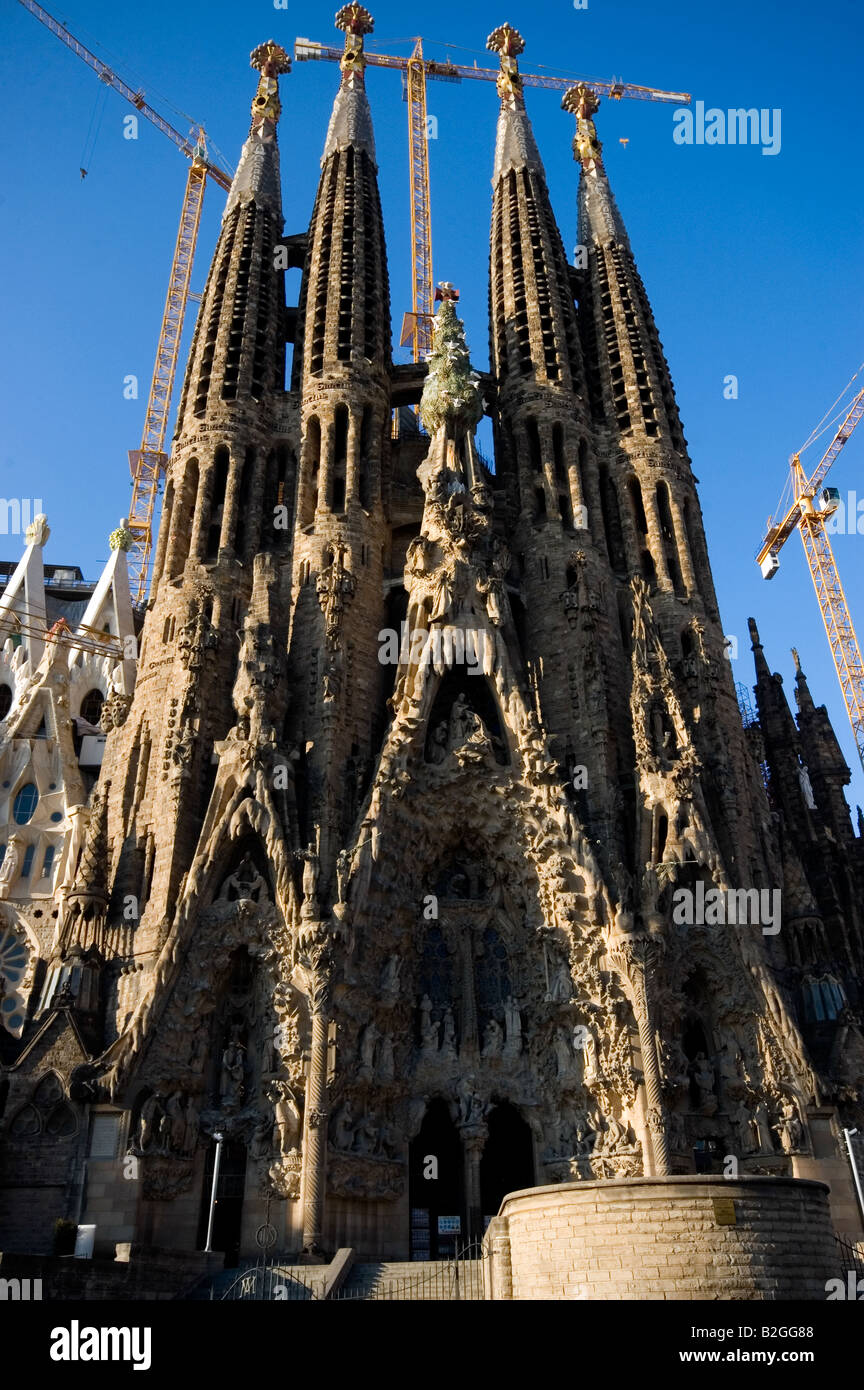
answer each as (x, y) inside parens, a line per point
(452, 1280)
(273, 1283)
(850, 1256)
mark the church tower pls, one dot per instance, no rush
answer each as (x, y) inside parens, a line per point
(342, 372)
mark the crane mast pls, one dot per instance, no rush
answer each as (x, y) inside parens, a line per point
(421, 219)
(808, 515)
(148, 462)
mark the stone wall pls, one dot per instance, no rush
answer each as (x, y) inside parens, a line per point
(663, 1238)
(136, 1273)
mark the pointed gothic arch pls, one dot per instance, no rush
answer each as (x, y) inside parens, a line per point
(455, 685)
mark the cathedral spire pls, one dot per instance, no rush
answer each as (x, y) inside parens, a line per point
(351, 119)
(763, 670)
(632, 385)
(534, 336)
(238, 349)
(803, 697)
(534, 332)
(827, 768)
(515, 146)
(257, 176)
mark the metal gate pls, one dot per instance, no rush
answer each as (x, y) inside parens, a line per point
(270, 1282)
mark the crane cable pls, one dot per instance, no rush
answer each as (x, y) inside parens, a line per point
(822, 427)
(93, 131)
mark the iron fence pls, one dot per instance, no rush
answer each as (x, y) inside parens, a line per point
(267, 1282)
(451, 1280)
(850, 1257)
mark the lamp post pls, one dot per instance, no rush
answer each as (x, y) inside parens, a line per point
(208, 1248)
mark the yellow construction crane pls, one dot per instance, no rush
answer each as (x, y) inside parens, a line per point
(417, 325)
(148, 463)
(812, 504)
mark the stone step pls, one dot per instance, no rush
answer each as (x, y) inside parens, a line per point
(415, 1280)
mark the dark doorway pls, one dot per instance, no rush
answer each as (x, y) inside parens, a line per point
(436, 1187)
(508, 1159)
(229, 1200)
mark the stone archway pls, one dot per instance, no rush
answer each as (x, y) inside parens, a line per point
(507, 1162)
(436, 1186)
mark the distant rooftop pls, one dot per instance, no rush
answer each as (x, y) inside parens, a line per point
(64, 576)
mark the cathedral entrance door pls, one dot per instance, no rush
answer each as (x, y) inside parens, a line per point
(228, 1214)
(436, 1190)
(507, 1163)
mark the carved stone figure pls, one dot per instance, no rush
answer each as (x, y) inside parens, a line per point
(789, 1128)
(465, 725)
(429, 1028)
(10, 865)
(563, 1052)
(368, 1043)
(584, 1133)
(761, 1126)
(176, 1120)
(245, 884)
(448, 1035)
(560, 984)
(703, 1075)
(148, 1123)
(232, 1086)
(287, 1123)
(493, 1039)
(590, 1069)
(343, 1128)
(676, 1132)
(512, 1027)
(366, 1135)
(439, 743)
(471, 1108)
(390, 980)
(386, 1068)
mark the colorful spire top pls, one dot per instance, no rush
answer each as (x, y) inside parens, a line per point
(356, 21)
(582, 103)
(450, 395)
(270, 59)
(508, 43)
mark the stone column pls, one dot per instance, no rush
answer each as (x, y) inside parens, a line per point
(549, 479)
(232, 500)
(474, 1138)
(315, 1138)
(182, 516)
(634, 541)
(637, 954)
(258, 535)
(201, 520)
(162, 543)
(352, 458)
(577, 499)
(685, 559)
(655, 537)
(325, 469)
(591, 484)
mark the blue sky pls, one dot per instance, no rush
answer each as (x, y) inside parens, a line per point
(751, 261)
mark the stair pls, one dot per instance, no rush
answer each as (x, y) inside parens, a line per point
(415, 1281)
(300, 1282)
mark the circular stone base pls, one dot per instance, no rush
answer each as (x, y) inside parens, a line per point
(696, 1237)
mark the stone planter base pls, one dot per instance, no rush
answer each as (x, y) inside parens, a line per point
(663, 1238)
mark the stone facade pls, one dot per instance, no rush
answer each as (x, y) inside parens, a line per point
(379, 893)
